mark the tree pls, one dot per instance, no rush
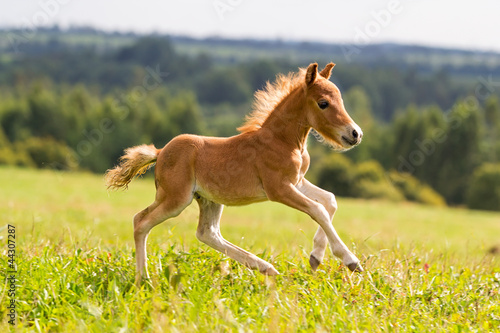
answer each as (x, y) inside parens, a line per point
(14, 120)
(258, 72)
(492, 117)
(184, 113)
(223, 86)
(460, 152)
(148, 51)
(44, 115)
(407, 127)
(430, 144)
(357, 104)
(484, 191)
(76, 111)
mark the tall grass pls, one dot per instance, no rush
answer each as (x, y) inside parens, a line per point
(427, 269)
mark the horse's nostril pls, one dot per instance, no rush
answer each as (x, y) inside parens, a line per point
(355, 134)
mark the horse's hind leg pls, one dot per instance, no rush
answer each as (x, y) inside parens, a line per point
(166, 205)
(208, 232)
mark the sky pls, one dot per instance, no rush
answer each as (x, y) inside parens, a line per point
(473, 25)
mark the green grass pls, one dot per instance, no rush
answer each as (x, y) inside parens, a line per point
(427, 269)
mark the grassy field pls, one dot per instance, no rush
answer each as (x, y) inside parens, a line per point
(427, 269)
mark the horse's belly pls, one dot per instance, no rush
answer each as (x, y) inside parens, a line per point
(230, 190)
(233, 200)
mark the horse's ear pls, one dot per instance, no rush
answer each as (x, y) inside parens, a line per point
(327, 71)
(311, 73)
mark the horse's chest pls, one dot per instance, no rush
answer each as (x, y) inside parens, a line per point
(296, 167)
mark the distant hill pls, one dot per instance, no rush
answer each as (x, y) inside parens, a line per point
(221, 70)
(373, 54)
(423, 58)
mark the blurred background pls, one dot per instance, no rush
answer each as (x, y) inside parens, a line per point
(82, 80)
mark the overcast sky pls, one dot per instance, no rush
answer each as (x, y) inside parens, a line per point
(444, 23)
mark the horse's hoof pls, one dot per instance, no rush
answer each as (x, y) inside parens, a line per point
(270, 271)
(314, 262)
(355, 267)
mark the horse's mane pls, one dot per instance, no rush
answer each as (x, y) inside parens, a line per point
(266, 100)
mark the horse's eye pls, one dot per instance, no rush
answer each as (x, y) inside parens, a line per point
(323, 104)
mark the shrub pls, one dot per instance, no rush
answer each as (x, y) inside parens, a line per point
(414, 190)
(336, 175)
(484, 190)
(10, 156)
(371, 171)
(48, 153)
(377, 190)
(340, 176)
(370, 182)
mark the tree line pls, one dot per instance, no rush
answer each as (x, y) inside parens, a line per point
(427, 138)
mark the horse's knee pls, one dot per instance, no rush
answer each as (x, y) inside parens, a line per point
(331, 203)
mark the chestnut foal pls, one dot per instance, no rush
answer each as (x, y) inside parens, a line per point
(267, 161)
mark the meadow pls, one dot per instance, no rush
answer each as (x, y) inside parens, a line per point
(427, 269)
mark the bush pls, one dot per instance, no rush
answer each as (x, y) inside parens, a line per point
(414, 190)
(9, 156)
(370, 171)
(484, 190)
(370, 182)
(336, 175)
(48, 153)
(377, 190)
(340, 176)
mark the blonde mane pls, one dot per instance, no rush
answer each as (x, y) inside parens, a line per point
(267, 99)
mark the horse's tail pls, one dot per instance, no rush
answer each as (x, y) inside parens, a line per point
(136, 161)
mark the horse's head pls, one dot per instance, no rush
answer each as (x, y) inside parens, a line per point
(326, 112)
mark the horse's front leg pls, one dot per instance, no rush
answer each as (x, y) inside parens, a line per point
(320, 241)
(321, 206)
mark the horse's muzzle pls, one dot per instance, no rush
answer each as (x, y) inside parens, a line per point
(353, 135)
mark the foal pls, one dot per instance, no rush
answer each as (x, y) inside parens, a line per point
(267, 161)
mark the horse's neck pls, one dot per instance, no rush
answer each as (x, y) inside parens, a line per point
(288, 123)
